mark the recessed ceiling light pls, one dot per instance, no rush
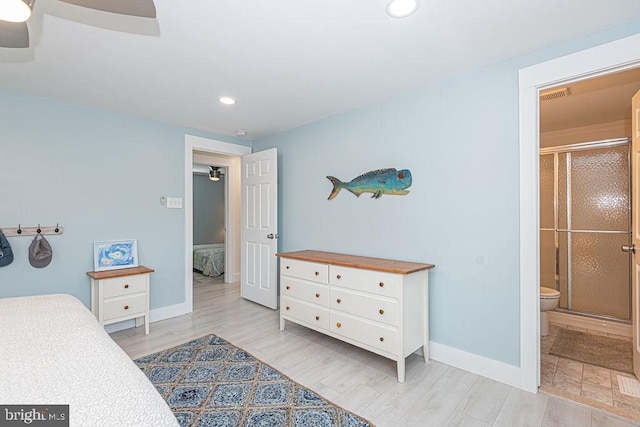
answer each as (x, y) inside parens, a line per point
(14, 11)
(401, 8)
(241, 133)
(226, 100)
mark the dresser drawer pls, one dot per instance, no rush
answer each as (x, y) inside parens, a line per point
(304, 312)
(124, 306)
(372, 281)
(315, 293)
(124, 285)
(304, 270)
(376, 335)
(380, 309)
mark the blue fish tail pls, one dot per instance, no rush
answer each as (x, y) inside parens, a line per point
(337, 186)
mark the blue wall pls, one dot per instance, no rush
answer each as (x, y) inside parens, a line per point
(460, 140)
(101, 176)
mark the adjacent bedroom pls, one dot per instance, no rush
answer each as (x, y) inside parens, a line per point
(208, 223)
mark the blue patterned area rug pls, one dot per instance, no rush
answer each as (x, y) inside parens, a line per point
(210, 382)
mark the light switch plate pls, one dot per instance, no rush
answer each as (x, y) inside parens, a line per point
(174, 202)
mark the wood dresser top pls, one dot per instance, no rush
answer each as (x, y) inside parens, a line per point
(354, 261)
(108, 274)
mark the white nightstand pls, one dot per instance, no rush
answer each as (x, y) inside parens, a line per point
(118, 295)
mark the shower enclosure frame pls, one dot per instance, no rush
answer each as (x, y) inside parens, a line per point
(568, 149)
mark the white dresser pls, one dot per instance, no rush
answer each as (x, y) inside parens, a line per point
(378, 304)
(118, 295)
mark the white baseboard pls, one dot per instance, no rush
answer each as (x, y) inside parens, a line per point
(590, 324)
(235, 277)
(493, 369)
(155, 315)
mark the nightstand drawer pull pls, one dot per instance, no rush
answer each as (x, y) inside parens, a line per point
(382, 284)
(317, 317)
(288, 307)
(126, 286)
(381, 311)
(381, 339)
(338, 277)
(126, 307)
(317, 273)
(339, 325)
(288, 287)
(338, 300)
(317, 295)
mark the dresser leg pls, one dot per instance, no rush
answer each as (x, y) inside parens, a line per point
(146, 325)
(281, 323)
(401, 369)
(425, 352)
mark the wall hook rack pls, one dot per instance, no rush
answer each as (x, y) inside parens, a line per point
(32, 231)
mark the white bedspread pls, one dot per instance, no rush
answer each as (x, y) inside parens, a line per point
(53, 351)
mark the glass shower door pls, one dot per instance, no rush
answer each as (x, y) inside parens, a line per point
(591, 223)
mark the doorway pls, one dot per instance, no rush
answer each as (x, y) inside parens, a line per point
(227, 155)
(602, 60)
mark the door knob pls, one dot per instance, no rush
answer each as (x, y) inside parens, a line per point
(272, 236)
(627, 248)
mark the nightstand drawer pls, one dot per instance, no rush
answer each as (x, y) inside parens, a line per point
(124, 306)
(307, 313)
(315, 293)
(125, 285)
(305, 270)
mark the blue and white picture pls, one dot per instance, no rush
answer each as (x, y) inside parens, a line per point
(111, 255)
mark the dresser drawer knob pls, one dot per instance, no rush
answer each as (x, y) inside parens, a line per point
(381, 339)
(338, 277)
(288, 287)
(288, 307)
(126, 307)
(339, 325)
(126, 286)
(381, 311)
(317, 273)
(317, 317)
(317, 295)
(381, 284)
(338, 300)
(287, 267)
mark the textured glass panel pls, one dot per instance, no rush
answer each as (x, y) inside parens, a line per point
(562, 191)
(563, 270)
(600, 189)
(547, 259)
(546, 191)
(600, 274)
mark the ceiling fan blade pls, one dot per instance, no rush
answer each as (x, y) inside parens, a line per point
(14, 34)
(142, 8)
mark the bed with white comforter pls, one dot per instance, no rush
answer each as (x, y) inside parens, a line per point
(53, 351)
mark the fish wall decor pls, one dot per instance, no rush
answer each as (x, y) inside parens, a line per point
(378, 182)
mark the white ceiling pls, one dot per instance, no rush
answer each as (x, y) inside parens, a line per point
(287, 62)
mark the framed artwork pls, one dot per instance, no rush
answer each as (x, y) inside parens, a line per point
(114, 254)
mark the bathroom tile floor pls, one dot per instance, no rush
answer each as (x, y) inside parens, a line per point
(584, 383)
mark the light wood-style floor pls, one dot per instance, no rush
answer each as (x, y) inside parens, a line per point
(434, 394)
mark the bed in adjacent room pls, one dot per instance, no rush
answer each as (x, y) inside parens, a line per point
(54, 352)
(209, 259)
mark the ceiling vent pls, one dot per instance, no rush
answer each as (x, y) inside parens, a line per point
(550, 94)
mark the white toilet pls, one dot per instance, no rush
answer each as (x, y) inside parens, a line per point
(548, 301)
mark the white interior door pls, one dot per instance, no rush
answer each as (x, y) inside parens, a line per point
(259, 233)
(635, 212)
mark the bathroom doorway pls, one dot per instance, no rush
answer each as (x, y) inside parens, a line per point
(585, 219)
